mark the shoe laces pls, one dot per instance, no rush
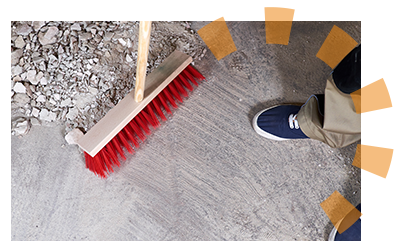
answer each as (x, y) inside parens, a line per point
(293, 123)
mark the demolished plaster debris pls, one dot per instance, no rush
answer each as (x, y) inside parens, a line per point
(73, 73)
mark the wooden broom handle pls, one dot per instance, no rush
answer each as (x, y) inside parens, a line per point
(143, 50)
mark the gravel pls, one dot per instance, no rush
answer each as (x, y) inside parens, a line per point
(73, 73)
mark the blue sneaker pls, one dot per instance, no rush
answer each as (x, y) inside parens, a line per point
(279, 123)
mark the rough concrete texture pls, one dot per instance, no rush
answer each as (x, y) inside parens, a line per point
(204, 174)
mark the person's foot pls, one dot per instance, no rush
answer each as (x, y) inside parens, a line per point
(279, 123)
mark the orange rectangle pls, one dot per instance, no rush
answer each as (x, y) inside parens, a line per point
(278, 14)
(374, 96)
(340, 211)
(277, 32)
(218, 39)
(336, 46)
(373, 159)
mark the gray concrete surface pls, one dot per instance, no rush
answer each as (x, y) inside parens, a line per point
(204, 174)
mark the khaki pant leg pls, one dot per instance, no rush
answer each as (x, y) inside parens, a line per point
(338, 125)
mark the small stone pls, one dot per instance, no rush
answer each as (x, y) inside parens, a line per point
(47, 116)
(51, 32)
(60, 77)
(93, 91)
(28, 89)
(23, 29)
(15, 56)
(76, 27)
(20, 99)
(37, 25)
(37, 59)
(31, 76)
(19, 42)
(35, 112)
(35, 122)
(107, 54)
(19, 88)
(85, 36)
(56, 97)
(52, 102)
(108, 36)
(72, 113)
(39, 76)
(52, 59)
(41, 98)
(17, 79)
(65, 102)
(122, 41)
(129, 43)
(60, 50)
(43, 81)
(128, 58)
(73, 136)
(44, 41)
(94, 80)
(21, 127)
(16, 70)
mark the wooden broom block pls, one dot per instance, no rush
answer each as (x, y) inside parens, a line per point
(119, 116)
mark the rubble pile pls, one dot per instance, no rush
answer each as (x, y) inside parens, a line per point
(74, 72)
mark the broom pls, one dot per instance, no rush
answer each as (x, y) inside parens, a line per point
(126, 125)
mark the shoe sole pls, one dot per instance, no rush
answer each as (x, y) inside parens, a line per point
(262, 132)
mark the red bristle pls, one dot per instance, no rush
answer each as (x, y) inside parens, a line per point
(174, 92)
(118, 148)
(141, 121)
(148, 118)
(102, 163)
(184, 81)
(137, 130)
(124, 141)
(161, 98)
(169, 98)
(157, 107)
(99, 166)
(88, 161)
(179, 87)
(154, 121)
(130, 135)
(107, 159)
(195, 73)
(189, 75)
(112, 153)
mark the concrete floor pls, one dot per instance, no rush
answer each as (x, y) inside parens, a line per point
(204, 174)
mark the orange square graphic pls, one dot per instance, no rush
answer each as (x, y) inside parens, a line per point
(277, 32)
(278, 24)
(371, 97)
(218, 39)
(336, 46)
(340, 211)
(373, 159)
(278, 14)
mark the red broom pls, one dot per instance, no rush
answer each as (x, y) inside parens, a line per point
(128, 123)
(130, 137)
